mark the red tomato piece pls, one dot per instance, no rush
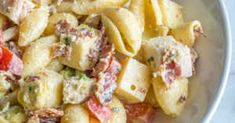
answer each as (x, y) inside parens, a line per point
(141, 112)
(6, 57)
(9, 61)
(102, 113)
(1, 53)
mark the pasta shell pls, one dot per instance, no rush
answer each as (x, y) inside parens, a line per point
(171, 13)
(137, 7)
(16, 10)
(171, 99)
(129, 29)
(154, 32)
(120, 115)
(151, 98)
(188, 32)
(153, 15)
(38, 55)
(75, 114)
(42, 2)
(3, 21)
(85, 7)
(55, 18)
(33, 26)
(115, 36)
(154, 25)
(65, 6)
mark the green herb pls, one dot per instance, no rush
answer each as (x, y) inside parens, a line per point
(71, 72)
(150, 60)
(83, 29)
(67, 40)
(82, 76)
(16, 110)
(30, 88)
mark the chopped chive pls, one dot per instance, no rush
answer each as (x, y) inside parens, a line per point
(71, 72)
(30, 88)
(67, 40)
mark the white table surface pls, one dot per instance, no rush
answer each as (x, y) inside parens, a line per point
(226, 111)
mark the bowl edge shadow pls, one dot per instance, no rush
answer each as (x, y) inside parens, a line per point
(227, 63)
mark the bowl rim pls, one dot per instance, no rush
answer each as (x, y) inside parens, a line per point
(227, 63)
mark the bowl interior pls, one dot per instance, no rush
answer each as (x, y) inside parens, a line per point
(210, 66)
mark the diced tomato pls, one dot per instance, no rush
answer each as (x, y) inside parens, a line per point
(102, 113)
(9, 61)
(6, 57)
(141, 112)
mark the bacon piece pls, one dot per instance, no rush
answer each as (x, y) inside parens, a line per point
(169, 68)
(65, 31)
(104, 60)
(140, 112)
(63, 27)
(97, 49)
(47, 112)
(101, 112)
(106, 72)
(168, 59)
(9, 61)
(172, 71)
(46, 115)
(106, 84)
(60, 49)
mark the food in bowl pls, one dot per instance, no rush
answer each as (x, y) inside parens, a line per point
(102, 61)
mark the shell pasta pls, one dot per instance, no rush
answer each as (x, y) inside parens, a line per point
(94, 61)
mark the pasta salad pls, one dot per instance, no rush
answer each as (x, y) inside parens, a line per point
(94, 61)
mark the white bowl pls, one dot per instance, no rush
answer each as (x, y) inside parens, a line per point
(207, 87)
